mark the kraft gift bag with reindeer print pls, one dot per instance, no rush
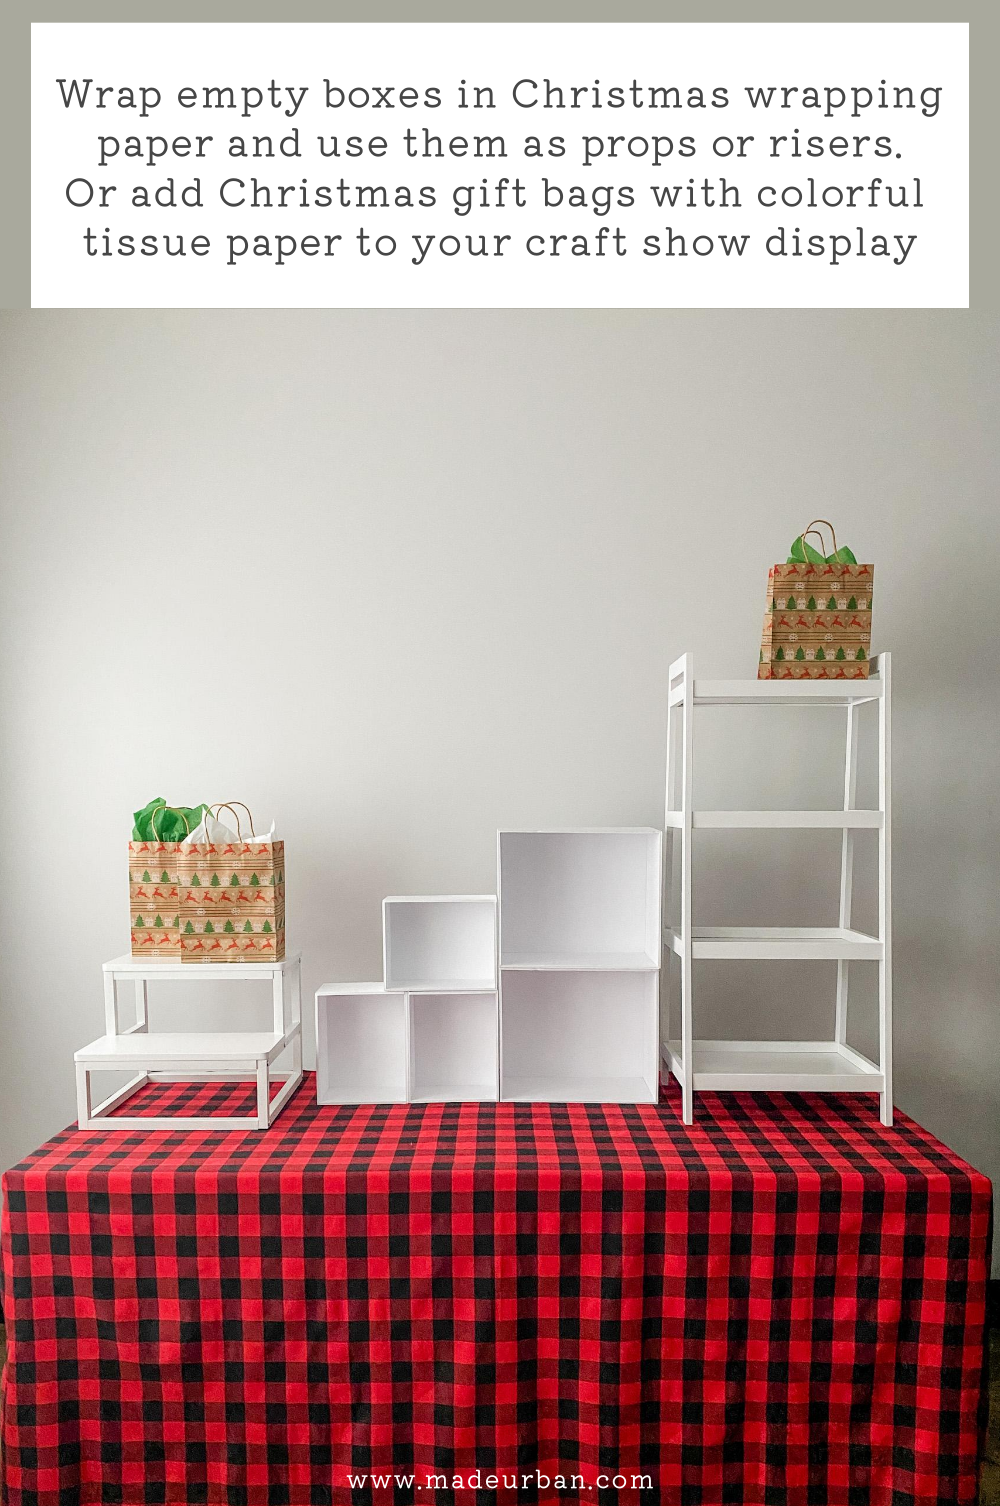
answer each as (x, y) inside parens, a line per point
(818, 619)
(215, 896)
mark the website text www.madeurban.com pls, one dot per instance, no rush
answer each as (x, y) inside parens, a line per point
(502, 1480)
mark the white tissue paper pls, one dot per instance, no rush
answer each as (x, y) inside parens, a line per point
(210, 829)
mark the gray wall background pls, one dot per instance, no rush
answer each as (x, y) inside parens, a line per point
(399, 578)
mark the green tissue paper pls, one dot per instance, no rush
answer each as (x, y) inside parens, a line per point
(160, 822)
(802, 552)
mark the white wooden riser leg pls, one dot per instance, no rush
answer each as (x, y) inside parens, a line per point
(263, 1095)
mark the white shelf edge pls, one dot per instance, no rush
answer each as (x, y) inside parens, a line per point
(444, 986)
(831, 1048)
(859, 1074)
(353, 1101)
(613, 962)
(137, 966)
(463, 1092)
(440, 899)
(577, 831)
(777, 943)
(150, 1122)
(748, 692)
(167, 1048)
(422, 990)
(353, 990)
(836, 820)
(552, 1089)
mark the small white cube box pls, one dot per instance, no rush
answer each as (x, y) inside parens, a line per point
(577, 899)
(441, 943)
(571, 1017)
(453, 1053)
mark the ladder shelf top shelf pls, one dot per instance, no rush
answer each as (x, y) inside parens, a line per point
(779, 692)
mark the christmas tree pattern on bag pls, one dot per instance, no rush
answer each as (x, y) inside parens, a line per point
(208, 902)
(818, 620)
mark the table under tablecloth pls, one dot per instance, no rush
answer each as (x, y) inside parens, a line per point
(781, 1305)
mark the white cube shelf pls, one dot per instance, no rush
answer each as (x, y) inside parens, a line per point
(376, 1045)
(580, 1037)
(361, 1044)
(440, 943)
(572, 1014)
(453, 1047)
(580, 899)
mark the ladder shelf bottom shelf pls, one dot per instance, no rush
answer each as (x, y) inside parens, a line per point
(775, 1066)
(777, 943)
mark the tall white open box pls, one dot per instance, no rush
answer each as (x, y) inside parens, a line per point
(579, 942)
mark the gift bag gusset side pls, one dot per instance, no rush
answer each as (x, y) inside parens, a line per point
(817, 623)
(232, 901)
(154, 898)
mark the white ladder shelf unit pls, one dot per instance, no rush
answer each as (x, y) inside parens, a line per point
(781, 1066)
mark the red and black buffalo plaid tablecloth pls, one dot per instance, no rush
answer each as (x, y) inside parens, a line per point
(782, 1305)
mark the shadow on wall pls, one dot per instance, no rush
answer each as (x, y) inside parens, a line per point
(945, 844)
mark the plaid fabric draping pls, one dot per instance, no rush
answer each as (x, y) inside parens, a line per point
(781, 1305)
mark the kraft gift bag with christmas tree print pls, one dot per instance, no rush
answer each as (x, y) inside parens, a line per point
(818, 619)
(216, 896)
